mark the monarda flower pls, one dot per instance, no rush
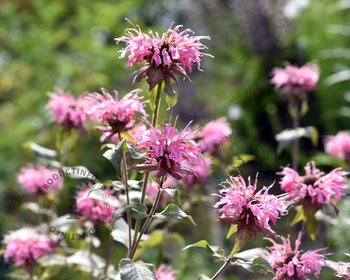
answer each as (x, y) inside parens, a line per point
(315, 187)
(165, 272)
(116, 115)
(95, 206)
(339, 145)
(296, 81)
(173, 53)
(250, 211)
(213, 134)
(202, 172)
(167, 150)
(39, 179)
(25, 246)
(68, 111)
(289, 264)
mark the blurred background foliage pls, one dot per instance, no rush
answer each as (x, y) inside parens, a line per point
(45, 45)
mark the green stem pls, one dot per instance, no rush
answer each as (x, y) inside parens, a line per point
(221, 269)
(125, 181)
(146, 174)
(149, 218)
(296, 123)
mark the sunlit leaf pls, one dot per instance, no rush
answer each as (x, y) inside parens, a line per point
(172, 212)
(130, 270)
(114, 155)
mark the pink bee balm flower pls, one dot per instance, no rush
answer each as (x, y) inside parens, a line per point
(116, 114)
(202, 172)
(39, 179)
(165, 272)
(167, 151)
(26, 245)
(296, 81)
(293, 264)
(339, 145)
(95, 206)
(240, 205)
(314, 187)
(213, 134)
(68, 111)
(173, 53)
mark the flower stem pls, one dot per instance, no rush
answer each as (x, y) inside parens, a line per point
(149, 218)
(296, 123)
(146, 174)
(124, 175)
(221, 269)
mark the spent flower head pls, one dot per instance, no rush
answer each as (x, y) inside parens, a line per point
(315, 187)
(294, 264)
(296, 81)
(163, 56)
(251, 211)
(167, 151)
(68, 111)
(25, 246)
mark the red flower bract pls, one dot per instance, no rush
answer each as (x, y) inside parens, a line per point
(291, 264)
(168, 150)
(240, 205)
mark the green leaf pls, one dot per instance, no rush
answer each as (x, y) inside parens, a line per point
(310, 220)
(152, 98)
(288, 136)
(212, 250)
(127, 136)
(203, 277)
(239, 160)
(299, 216)
(114, 154)
(40, 151)
(232, 230)
(174, 193)
(241, 240)
(130, 270)
(137, 211)
(171, 100)
(134, 153)
(120, 232)
(172, 212)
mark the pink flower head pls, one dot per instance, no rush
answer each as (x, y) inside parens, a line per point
(240, 205)
(39, 179)
(213, 134)
(339, 145)
(165, 272)
(97, 205)
(293, 264)
(296, 81)
(116, 114)
(68, 111)
(173, 53)
(314, 187)
(26, 245)
(168, 150)
(202, 172)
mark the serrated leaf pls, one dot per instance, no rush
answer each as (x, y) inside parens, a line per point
(212, 250)
(174, 193)
(130, 270)
(172, 212)
(137, 211)
(232, 230)
(114, 154)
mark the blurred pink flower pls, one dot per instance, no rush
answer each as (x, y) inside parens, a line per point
(295, 80)
(240, 205)
(168, 150)
(68, 111)
(213, 134)
(314, 187)
(202, 171)
(39, 179)
(26, 245)
(97, 205)
(293, 264)
(152, 188)
(173, 53)
(339, 145)
(165, 272)
(116, 115)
